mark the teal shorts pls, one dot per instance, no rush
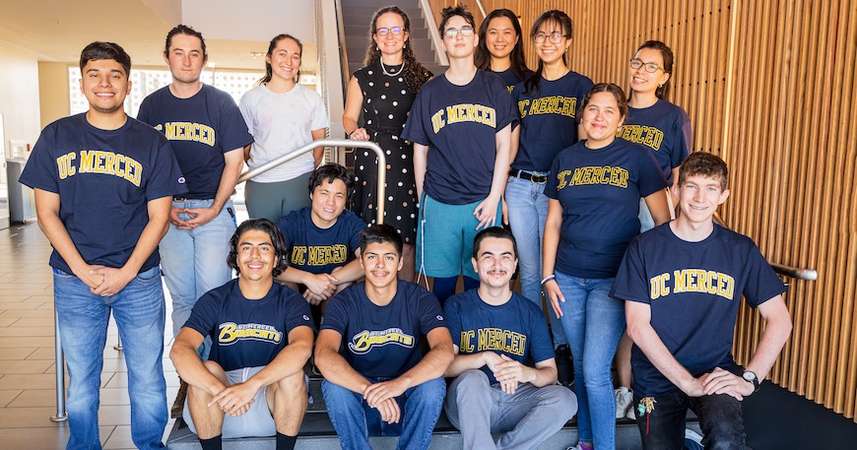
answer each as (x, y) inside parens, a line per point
(445, 238)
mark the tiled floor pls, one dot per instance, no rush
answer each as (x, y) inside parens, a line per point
(27, 371)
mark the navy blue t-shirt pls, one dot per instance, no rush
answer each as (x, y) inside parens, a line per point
(510, 78)
(244, 332)
(516, 328)
(318, 250)
(548, 119)
(663, 128)
(459, 125)
(694, 290)
(383, 341)
(600, 193)
(201, 129)
(105, 179)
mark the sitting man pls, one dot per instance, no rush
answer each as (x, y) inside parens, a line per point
(504, 363)
(682, 282)
(261, 336)
(383, 383)
(321, 240)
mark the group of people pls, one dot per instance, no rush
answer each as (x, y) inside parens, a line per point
(576, 170)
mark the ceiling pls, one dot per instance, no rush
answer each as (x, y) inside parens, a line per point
(56, 30)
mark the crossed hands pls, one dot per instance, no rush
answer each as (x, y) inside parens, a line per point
(197, 217)
(105, 281)
(382, 396)
(719, 381)
(507, 371)
(235, 399)
(320, 287)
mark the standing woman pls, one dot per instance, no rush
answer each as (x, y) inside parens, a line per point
(384, 90)
(595, 187)
(500, 49)
(664, 129)
(547, 103)
(282, 116)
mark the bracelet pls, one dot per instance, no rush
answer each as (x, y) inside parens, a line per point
(547, 278)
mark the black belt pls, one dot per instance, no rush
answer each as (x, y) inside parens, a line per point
(523, 174)
(182, 198)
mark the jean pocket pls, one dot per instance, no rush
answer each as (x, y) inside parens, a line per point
(62, 274)
(149, 275)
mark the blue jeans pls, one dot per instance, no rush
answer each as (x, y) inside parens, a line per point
(139, 313)
(528, 211)
(194, 261)
(593, 322)
(354, 420)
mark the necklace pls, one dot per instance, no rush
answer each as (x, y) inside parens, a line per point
(389, 74)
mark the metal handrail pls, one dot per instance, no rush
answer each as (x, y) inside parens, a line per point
(795, 272)
(481, 9)
(434, 33)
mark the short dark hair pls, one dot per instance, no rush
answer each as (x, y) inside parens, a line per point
(99, 50)
(451, 11)
(184, 29)
(494, 232)
(618, 94)
(281, 252)
(705, 164)
(379, 234)
(330, 172)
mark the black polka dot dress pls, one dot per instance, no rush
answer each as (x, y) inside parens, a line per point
(386, 102)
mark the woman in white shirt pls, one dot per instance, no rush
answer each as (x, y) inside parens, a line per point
(282, 116)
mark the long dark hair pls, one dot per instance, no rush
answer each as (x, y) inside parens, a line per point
(516, 57)
(561, 19)
(271, 46)
(414, 73)
(281, 252)
(663, 91)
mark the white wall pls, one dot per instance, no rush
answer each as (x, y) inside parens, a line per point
(19, 93)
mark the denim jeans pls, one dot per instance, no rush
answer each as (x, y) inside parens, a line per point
(194, 261)
(661, 420)
(139, 313)
(593, 323)
(528, 211)
(354, 420)
(647, 222)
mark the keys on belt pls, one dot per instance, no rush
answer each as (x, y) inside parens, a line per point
(524, 175)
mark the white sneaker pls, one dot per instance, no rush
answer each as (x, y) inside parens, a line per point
(624, 402)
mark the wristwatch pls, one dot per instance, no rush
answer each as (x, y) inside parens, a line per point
(750, 376)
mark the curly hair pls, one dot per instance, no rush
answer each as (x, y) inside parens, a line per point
(415, 74)
(281, 252)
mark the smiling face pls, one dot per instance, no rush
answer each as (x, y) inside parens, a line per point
(328, 202)
(285, 59)
(185, 58)
(639, 79)
(459, 38)
(381, 264)
(548, 50)
(105, 85)
(699, 196)
(256, 256)
(500, 37)
(388, 41)
(601, 117)
(495, 261)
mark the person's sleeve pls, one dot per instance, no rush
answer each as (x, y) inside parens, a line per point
(541, 345)
(631, 282)
(414, 130)
(551, 185)
(319, 114)
(506, 108)
(335, 314)
(452, 314)
(299, 312)
(41, 170)
(246, 108)
(203, 316)
(166, 178)
(143, 112)
(356, 227)
(234, 132)
(683, 138)
(762, 283)
(430, 313)
(651, 177)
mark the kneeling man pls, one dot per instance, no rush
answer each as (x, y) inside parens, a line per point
(261, 335)
(504, 365)
(383, 383)
(683, 282)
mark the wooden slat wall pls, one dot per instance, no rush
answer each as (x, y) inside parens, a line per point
(788, 132)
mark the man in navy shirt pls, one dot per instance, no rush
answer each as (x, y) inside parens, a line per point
(253, 381)
(504, 365)
(382, 383)
(322, 240)
(683, 282)
(208, 133)
(103, 183)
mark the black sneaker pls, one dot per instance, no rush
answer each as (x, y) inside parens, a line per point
(564, 366)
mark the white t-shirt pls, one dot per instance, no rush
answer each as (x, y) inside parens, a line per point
(279, 124)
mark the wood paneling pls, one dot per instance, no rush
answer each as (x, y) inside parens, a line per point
(770, 86)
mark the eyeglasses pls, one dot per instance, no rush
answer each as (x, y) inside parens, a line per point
(383, 31)
(636, 63)
(555, 37)
(466, 31)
